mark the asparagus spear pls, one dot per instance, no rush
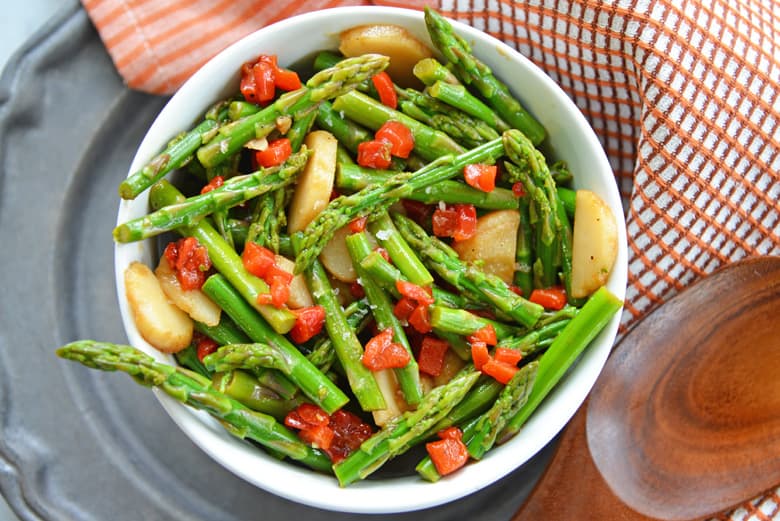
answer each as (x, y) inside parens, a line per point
(374, 199)
(314, 384)
(430, 70)
(397, 436)
(240, 109)
(323, 354)
(248, 356)
(324, 85)
(479, 434)
(471, 71)
(188, 357)
(245, 388)
(524, 255)
(465, 323)
(468, 278)
(565, 349)
(382, 310)
(225, 259)
(176, 154)
(196, 391)
(364, 110)
(345, 342)
(459, 97)
(233, 192)
(401, 255)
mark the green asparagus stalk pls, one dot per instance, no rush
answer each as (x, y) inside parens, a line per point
(225, 260)
(401, 254)
(348, 133)
(430, 70)
(568, 198)
(468, 278)
(479, 434)
(398, 435)
(324, 85)
(314, 384)
(323, 354)
(240, 109)
(471, 71)
(459, 97)
(326, 59)
(269, 218)
(465, 323)
(524, 254)
(196, 391)
(248, 356)
(225, 332)
(300, 127)
(533, 341)
(188, 357)
(345, 342)
(374, 199)
(364, 110)
(244, 387)
(175, 155)
(565, 349)
(382, 309)
(235, 191)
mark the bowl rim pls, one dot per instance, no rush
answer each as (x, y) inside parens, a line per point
(370, 496)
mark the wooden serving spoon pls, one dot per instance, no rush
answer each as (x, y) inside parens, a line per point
(684, 421)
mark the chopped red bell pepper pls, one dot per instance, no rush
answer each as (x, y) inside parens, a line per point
(420, 319)
(358, 225)
(205, 346)
(383, 252)
(458, 221)
(479, 354)
(374, 154)
(265, 81)
(385, 89)
(518, 189)
(431, 357)
(485, 334)
(287, 80)
(356, 290)
(403, 308)
(306, 415)
(398, 135)
(449, 453)
(415, 292)
(349, 432)
(417, 211)
(500, 371)
(276, 153)
(216, 182)
(553, 298)
(190, 262)
(308, 323)
(508, 356)
(382, 353)
(481, 176)
(257, 259)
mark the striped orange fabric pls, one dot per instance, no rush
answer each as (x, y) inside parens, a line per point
(684, 95)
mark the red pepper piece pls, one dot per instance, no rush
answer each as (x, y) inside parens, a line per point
(358, 225)
(485, 334)
(320, 436)
(479, 354)
(265, 81)
(349, 431)
(403, 308)
(216, 182)
(374, 154)
(508, 356)
(501, 371)
(287, 80)
(382, 353)
(415, 292)
(431, 357)
(448, 454)
(257, 259)
(189, 260)
(553, 298)
(398, 135)
(205, 346)
(481, 176)
(276, 153)
(308, 323)
(385, 89)
(420, 319)
(518, 189)
(458, 221)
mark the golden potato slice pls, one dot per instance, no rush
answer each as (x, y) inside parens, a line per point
(394, 41)
(193, 302)
(391, 392)
(594, 244)
(495, 243)
(336, 259)
(300, 297)
(315, 184)
(162, 324)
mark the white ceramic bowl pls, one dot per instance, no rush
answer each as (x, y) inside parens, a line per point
(295, 39)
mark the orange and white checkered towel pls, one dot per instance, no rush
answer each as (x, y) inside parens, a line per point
(684, 95)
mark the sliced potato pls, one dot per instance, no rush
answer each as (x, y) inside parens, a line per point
(394, 41)
(315, 184)
(391, 392)
(336, 259)
(161, 323)
(300, 297)
(193, 302)
(495, 243)
(594, 244)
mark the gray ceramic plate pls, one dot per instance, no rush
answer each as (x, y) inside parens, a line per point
(75, 443)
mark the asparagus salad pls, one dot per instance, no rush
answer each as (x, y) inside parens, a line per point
(378, 259)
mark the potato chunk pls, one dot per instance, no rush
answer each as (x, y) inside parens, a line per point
(162, 324)
(495, 243)
(300, 297)
(193, 302)
(394, 41)
(315, 184)
(336, 259)
(594, 244)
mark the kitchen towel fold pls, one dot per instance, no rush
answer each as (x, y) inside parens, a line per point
(683, 94)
